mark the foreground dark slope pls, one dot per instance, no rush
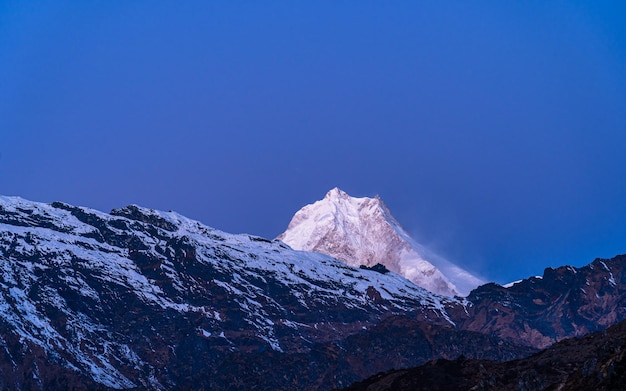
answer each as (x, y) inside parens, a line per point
(142, 299)
(593, 362)
(396, 342)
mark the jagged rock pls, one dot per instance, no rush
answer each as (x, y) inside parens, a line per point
(377, 268)
(539, 311)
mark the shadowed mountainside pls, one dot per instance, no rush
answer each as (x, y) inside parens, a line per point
(593, 362)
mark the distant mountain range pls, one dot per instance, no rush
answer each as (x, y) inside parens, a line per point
(149, 300)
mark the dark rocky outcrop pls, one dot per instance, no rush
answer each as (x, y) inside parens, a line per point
(377, 268)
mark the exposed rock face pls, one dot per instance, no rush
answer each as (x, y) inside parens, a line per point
(539, 311)
(594, 362)
(361, 231)
(144, 299)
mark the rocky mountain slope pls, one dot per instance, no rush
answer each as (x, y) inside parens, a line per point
(594, 362)
(539, 311)
(396, 342)
(362, 231)
(141, 299)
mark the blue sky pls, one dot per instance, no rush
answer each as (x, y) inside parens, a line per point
(494, 131)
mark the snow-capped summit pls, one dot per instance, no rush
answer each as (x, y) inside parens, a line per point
(362, 231)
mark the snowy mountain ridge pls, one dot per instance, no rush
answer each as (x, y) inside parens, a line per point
(362, 231)
(100, 293)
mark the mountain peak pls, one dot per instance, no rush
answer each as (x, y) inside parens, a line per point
(336, 193)
(362, 231)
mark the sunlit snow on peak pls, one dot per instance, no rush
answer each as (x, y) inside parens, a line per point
(362, 231)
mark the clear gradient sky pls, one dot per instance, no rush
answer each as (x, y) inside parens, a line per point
(495, 131)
